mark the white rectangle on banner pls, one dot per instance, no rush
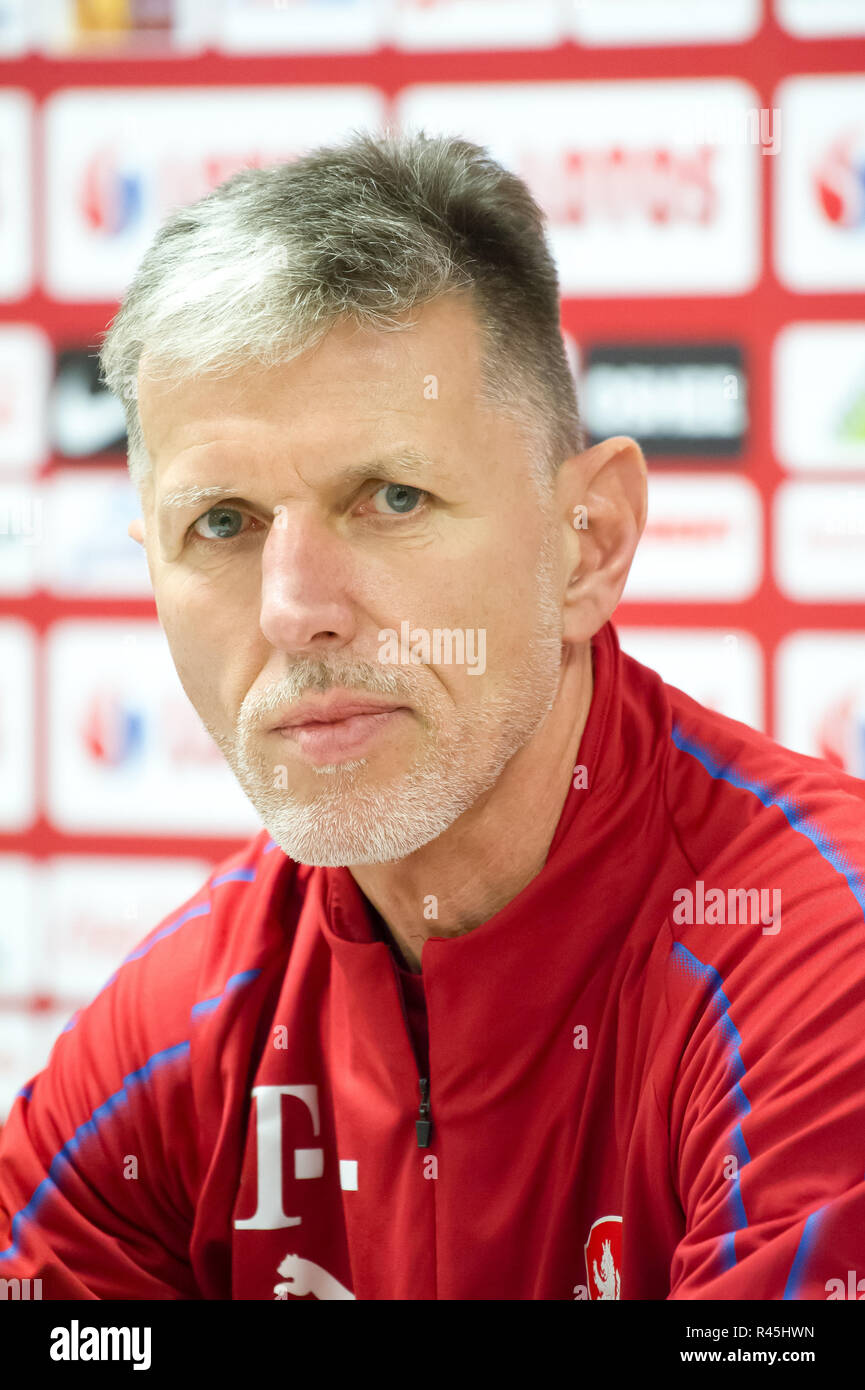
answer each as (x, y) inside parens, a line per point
(703, 540)
(128, 752)
(818, 19)
(819, 531)
(721, 669)
(17, 731)
(819, 396)
(819, 214)
(16, 194)
(26, 367)
(820, 697)
(626, 22)
(118, 162)
(650, 187)
(97, 909)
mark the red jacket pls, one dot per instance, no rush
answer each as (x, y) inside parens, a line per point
(622, 1102)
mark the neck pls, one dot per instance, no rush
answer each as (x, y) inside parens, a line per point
(495, 848)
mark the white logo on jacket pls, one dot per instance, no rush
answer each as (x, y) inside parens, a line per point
(608, 1283)
(305, 1276)
(603, 1254)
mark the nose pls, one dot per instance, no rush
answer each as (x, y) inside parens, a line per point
(304, 601)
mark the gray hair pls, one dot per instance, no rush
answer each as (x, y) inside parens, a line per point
(368, 229)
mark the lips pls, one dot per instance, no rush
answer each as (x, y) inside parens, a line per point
(310, 712)
(326, 731)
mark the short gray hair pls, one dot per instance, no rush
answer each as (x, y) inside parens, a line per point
(367, 230)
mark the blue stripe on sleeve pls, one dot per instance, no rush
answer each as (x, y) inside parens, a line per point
(207, 1005)
(84, 1131)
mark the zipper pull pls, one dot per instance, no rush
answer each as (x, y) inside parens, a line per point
(424, 1124)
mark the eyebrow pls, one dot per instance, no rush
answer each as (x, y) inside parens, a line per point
(412, 461)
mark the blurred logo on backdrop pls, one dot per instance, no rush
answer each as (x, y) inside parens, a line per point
(127, 750)
(840, 180)
(649, 187)
(819, 396)
(94, 26)
(820, 183)
(703, 539)
(122, 16)
(678, 399)
(820, 697)
(86, 419)
(110, 195)
(819, 540)
(112, 732)
(841, 732)
(118, 162)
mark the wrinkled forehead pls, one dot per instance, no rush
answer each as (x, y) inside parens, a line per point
(431, 361)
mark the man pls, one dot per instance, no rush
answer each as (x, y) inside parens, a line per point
(542, 980)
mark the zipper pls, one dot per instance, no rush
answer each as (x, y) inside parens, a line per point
(423, 1125)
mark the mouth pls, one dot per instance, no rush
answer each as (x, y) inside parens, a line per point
(346, 732)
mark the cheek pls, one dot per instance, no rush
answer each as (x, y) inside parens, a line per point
(199, 651)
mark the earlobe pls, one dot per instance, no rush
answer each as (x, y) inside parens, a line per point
(136, 530)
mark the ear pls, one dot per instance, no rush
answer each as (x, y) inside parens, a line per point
(604, 493)
(136, 530)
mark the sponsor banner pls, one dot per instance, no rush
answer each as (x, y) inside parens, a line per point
(26, 1040)
(88, 550)
(22, 536)
(819, 396)
(301, 26)
(722, 670)
(25, 377)
(86, 419)
(98, 909)
(703, 540)
(820, 191)
(118, 162)
(22, 949)
(677, 399)
(16, 193)
(816, 19)
(127, 751)
(17, 701)
(820, 697)
(820, 541)
(649, 187)
(490, 24)
(664, 21)
(72, 27)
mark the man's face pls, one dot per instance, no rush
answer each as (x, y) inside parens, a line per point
(284, 583)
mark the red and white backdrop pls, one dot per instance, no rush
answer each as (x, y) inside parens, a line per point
(703, 169)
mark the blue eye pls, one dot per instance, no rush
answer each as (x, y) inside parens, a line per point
(400, 497)
(226, 522)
